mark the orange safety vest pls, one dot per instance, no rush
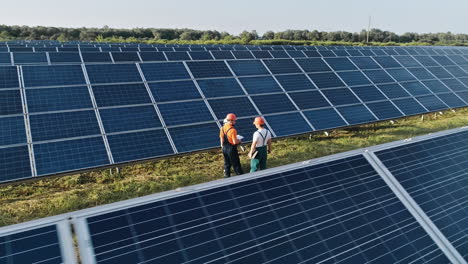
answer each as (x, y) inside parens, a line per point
(230, 132)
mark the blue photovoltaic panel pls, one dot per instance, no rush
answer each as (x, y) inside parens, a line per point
(279, 66)
(426, 60)
(356, 114)
(70, 155)
(121, 94)
(443, 60)
(407, 61)
(421, 73)
(379, 76)
(29, 58)
(38, 245)
(295, 82)
(242, 54)
(125, 57)
(409, 106)
(433, 173)
(257, 85)
(279, 54)
(401, 75)
(451, 100)
(456, 71)
(13, 130)
(241, 106)
(352, 78)
(310, 99)
(113, 73)
(326, 80)
(261, 54)
(384, 110)
(248, 67)
(185, 113)
(9, 77)
(208, 69)
(335, 212)
(186, 137)
(342, 96)
(393, 90)
(431, 102)
(63, 125)
(129, 118)
(313, 65)
(222, 55)
(57, 99)
(56, 75)
(200, 55)
(177, 55)
(164, 71)
(152, 56)
(296, 54)
(139, 145)
(340, 64)
(312, 53)
(15, 164)
(365, 63)
(64, 57)
(245, 128)
(172, 91)
(10, 102)
(387, 62)
(275, 103)
(439, 72)
(5, 58)
(220, 87)
(93, 57)
(368, 93)
(288, 124)
(436, 86)
(454, 85)
(415, 88)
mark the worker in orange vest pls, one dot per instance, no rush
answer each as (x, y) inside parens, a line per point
(261, 146)
(229, 142)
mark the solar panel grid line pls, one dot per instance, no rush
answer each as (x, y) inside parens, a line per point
(417, 212)
(154, 103)
(98, 115)
(377, 87)
(27, 123)
(48, 58)
(368, 109)
(249, 97)
(288, 96)
(321, 93)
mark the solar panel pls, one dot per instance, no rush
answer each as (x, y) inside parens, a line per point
(338, 211)
(40, 243)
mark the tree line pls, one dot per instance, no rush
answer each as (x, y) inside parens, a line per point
(159, 35)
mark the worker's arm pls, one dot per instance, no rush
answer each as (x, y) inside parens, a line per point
(221, 137)
(234, 137)
(269, 145)
(252, 149)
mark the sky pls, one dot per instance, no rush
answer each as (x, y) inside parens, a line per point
(398, 16)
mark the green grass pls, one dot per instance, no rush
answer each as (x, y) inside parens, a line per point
(52, 196)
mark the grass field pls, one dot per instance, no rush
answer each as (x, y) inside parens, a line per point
(52, 196)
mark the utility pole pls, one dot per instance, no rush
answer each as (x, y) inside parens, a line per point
(368, 29)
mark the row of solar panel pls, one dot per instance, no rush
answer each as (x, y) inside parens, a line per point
(171, 113)
(123, 57)
(116, 48)
(338, 209)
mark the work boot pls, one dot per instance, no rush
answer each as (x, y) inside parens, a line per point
(227, 174)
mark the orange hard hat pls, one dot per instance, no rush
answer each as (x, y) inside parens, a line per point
(259, 121)
(231, 116)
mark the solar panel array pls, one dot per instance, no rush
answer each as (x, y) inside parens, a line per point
(63, 118)
(401, 202)
(339, 209)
